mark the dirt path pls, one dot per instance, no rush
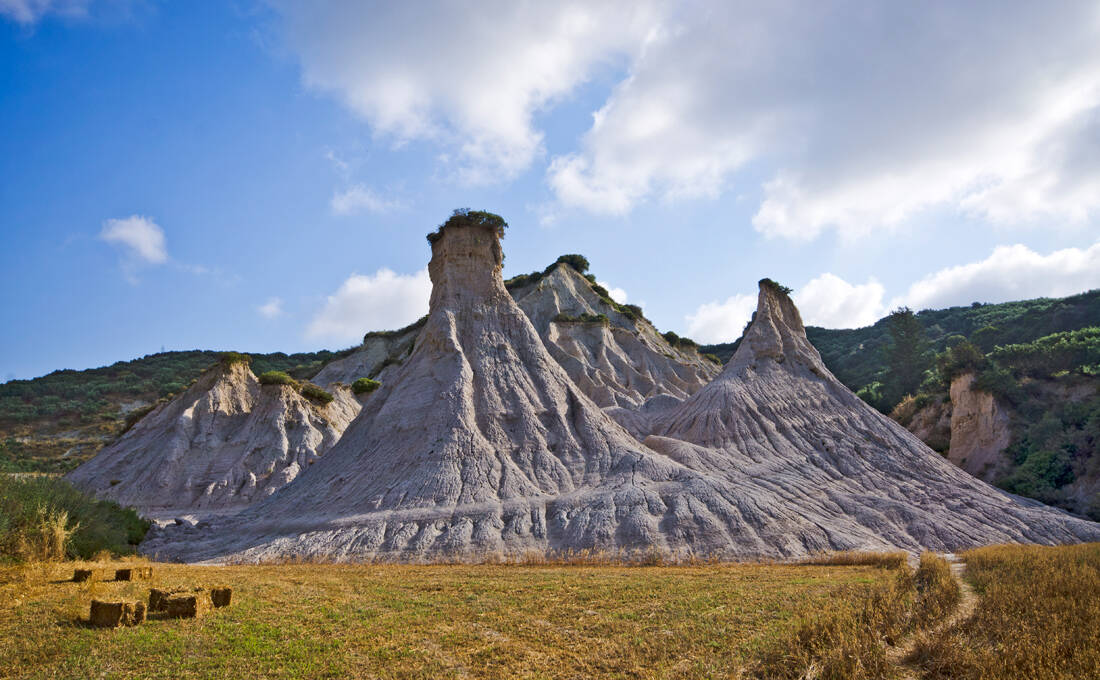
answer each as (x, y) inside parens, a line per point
(968, 600)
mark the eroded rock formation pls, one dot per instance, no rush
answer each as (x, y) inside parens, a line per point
(224, 443)
(480, 444)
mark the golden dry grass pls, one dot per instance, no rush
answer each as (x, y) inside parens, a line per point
(391, 621)
(1038, 617)
(849, 638)
(886, 560)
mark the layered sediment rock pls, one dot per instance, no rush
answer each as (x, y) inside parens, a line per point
(782, 429)
(480, 444)
(224, 443)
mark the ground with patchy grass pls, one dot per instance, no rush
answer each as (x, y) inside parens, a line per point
(424, 621)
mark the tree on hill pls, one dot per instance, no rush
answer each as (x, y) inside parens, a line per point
(907, 356)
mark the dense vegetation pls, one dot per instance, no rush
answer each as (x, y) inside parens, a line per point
(43, 518)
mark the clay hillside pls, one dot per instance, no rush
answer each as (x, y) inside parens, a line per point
(492, 435)
(226, 441)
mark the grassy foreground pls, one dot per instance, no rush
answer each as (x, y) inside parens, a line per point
(1038, 617)
(346, 621)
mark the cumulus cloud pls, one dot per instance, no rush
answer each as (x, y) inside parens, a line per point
(1010, 273)
(831, 302)
(1013, 272)
(378, 301)
(721, 321)
(617, 294)
(31, 11)
(359, 198)
(139, 237)
(990, 108)
(271, 309)
(469, 80)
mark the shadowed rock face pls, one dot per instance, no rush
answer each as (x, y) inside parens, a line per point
(480, 444)
(225, 442)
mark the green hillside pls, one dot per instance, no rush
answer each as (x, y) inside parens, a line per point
(55, 422)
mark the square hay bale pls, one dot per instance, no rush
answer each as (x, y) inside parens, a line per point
(158, 597)
(134, 574)
(82, 575)
(221, 596)
(106, 614)
(187, 606)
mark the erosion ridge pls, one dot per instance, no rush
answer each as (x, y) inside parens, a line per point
(480, 443)
(225, 442)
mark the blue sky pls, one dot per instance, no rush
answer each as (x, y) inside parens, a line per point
(260, 175)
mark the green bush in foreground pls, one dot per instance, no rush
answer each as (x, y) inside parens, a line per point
(365, 385)
(315, 393)
(277, 378)
(43, 518)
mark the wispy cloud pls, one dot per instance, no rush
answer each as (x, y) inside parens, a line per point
(28, 12)
(271, 309)
(358, 199)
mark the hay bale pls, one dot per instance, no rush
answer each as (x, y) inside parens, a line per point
(158, 597)
(106, 614)
(134, 574)
(187, 606)
(221, 596)
(82, 575)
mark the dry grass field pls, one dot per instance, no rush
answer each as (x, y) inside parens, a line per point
(1037, 617)
(832, 620)
(344, 621)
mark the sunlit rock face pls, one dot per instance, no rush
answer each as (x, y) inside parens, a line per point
(226, 442)
(480, 444)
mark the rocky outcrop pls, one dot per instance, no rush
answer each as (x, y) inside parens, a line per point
(980, 430)
(379, 351)
(480, 445)
(224, 443)
(618, 362)
(826, 469)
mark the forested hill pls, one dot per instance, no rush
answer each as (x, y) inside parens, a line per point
(858, 358)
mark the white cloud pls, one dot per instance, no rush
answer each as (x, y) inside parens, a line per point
(470, 79)
(831, 302)
(271, 309)
(358, 198)
(990, 108)
(1010, 273)
(379, 301)
(617, 294)
(721, 321)
(140, 237)
(31, 11)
